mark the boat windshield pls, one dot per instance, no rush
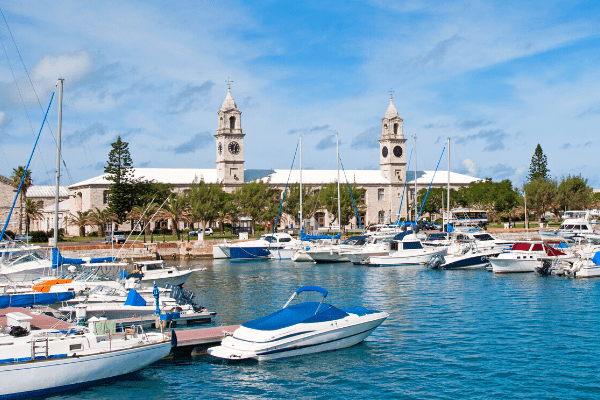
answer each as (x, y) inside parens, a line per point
(483, 237)
(268, 238)
(18, 257)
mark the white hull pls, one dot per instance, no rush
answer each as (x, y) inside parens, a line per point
(176, 279)
(49, 375)
(317, 337)
(590, 271)
(301, 256)
(361, 258)
(326, 256)
(220, 251)
(282, 254)
(509, 265)
(407, 257)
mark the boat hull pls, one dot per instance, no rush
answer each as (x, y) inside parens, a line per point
(508, 266)
(408, 257)
(175, 279)
(58, 374)
(245, 253)
(327, 256)
(220, 252)
(314, 338)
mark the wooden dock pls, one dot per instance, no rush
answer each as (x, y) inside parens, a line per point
(149, 321)
(38, 320)
(196, 341)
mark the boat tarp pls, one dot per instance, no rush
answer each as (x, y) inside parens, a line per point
(134, 299)
(34, 299)
(312, 289)
(296, 314)
(304, 236)
(58, 259)
(596, 258)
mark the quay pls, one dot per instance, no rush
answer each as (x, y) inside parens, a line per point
(151, 320)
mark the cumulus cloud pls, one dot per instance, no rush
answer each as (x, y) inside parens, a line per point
(190, 97)
(366, 139)
(493, 138)
(327, 143)
(470, 124)
(308, 131)
(73, 67)
(198, 141)
(79, 137)
(468, 167)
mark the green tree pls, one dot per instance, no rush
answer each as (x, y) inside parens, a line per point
(143, 216)
(199, 199)
(100, 218)
(572, 193)
(79, 219)
(259, 201)
(540, 194)
(538, 169)
(120, 171)
(291, 204)
(329, 202)
(33, 211)
(18, 174)
(176, 210)
(223, 204)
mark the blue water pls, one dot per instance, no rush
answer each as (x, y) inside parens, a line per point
(450, 335)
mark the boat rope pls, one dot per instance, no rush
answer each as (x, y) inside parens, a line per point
(352, 197)
(147, 223)
(429, 188)
(285, 190)
(27, 167)
(404, 189)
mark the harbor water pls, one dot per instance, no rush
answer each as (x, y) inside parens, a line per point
(450, 335)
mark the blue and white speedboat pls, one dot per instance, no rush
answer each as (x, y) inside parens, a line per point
(252, 249)
(303, 328)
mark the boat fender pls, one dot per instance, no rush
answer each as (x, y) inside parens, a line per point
(173, 338)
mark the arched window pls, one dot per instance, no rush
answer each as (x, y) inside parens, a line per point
(395, 129)
(231, 122)
(221, 121)
(385, 127)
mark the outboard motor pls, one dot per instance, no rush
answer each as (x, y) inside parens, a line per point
(436, 261)
(545, 269)
(182, 296)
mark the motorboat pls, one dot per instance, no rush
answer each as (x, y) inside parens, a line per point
(253, 249)
(37, 362)
(585, 267)
(298, 329)
(156, 271)
(20, 262)
(379, 245)
(483, 239)
(524, 257)
(570, 228)
(464, 256)
(335, 253)
(406, 249)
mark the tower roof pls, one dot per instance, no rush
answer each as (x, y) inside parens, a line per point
(229, 103)
(391, 111)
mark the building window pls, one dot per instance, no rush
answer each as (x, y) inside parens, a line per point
(381, 217)
(232, 123)
(380, 193)
(320, 217)
(362, 197)
(395, 129)
(105, 196)
(399, 175)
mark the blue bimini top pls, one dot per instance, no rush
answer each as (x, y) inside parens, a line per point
(296, 314)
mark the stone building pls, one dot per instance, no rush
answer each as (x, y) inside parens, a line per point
(383, 187)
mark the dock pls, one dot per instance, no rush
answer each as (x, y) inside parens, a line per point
(196, 341)
(149, 321)
(38, 320)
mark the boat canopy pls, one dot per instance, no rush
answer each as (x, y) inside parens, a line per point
(304, 313)
(34, 299)
(356, 240)
(401, 235)
(596, 258)
(304, 236)
(312, 289)
(134, 299)
(58, 259)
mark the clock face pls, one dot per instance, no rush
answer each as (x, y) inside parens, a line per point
(234, 147)
(220, 147)
(398, 151)
(384, 151)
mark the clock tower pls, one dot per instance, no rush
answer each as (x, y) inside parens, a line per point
(230, 143)
(392, 146)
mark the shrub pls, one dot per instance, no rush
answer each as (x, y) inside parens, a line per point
(10, 234)
(39, 236)
(93, 234)
(61, 234)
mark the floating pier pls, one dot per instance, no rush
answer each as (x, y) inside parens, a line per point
(148, 321)
(196, 341)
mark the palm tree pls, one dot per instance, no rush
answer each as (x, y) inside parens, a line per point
(33, 211)
(142, 215)
(18, 174)
(176, 210)
(81, 219)
(100, 218)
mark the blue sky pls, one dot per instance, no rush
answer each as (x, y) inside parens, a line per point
(496, 77)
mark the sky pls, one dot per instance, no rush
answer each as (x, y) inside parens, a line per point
(496, 77)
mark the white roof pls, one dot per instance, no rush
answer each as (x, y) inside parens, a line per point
(47, 191)
(186, 176)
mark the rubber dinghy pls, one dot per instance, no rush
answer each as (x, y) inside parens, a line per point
(303, 328)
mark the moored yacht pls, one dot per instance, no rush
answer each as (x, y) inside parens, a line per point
(523, 257)
(406, 249)
(253, 249)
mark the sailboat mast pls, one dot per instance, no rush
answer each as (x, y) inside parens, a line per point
(415, 180)
(301, 220)
(338, 181)
(56, 195)
(448, 190)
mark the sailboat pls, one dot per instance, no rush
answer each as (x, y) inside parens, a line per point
(39, 361)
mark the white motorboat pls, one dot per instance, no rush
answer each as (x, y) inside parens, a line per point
(253, 249)
(333, 253)
(585, 267)
(570, 228)
(524, 257)
(36, 362)
(298, 329)
(464, 256)
(20, 262)
(379, 245)
(156, 271)
(406, 249)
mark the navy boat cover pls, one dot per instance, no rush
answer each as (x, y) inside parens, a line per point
(296, 314)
